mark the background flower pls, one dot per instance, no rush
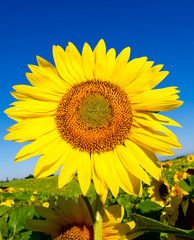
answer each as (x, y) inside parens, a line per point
(69, 219)
(159, 191)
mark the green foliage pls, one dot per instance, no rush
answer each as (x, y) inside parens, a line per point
(144, 224)
(48, 185)
(34, 192)
(3, 210)
(150, 209)
(11, 227)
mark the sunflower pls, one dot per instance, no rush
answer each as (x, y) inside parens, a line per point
(190, 171)
(7, 203)
(176, 190)
(70, 220)
(190, 158)
(45, 204)
(179, 176)
(180, 215)
(95, 114)
(166, 164)
(7, 190)
(159, 191)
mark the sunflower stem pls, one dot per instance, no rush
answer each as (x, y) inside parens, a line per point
(89, 208)
(98, 222)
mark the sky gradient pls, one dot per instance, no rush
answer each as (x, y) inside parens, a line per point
(161, 30)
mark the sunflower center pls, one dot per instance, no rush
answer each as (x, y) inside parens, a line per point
(94, 116)
(163, 190)
(95, 110)
(77, 232)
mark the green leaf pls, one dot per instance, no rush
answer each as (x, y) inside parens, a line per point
(9, 196)
(185, 186)
(17, 218)
(23, 235)
(3, 210)
(149, 206)
(149, 209)
(21, 196)
(3, 229)
(144, 224)
(191, 181)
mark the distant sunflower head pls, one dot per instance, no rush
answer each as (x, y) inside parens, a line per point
(179, 176)
(190, 158)
(95, 115)
(176, 190)
(69, 220)
(190, 171)
(166, 164)
(159, 191)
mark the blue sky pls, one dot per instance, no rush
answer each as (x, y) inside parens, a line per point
(161, 30)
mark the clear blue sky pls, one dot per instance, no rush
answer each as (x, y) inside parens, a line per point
(161, 30)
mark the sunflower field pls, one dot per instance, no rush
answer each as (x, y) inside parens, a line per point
(97, 116)
(169, 201)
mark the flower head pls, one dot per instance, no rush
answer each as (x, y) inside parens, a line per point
(45, 204)
(190, 158)
(7, 203)
(159, 191)
(95, 115)
(180, 215)
(179, 176)
(70, 220)
(32, 198)
(190, 171)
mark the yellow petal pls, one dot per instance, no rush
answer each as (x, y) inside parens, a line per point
(60, 61)
(109, 172)
(100, 60)
(152, 125)
(44, 63)
(121, 62)
(76, 61)
(163, 119)
(31, 129)
(47, 227)
(155, 142)
(69, 168)
(51, 161)
(39, 146)
(36, 106)
(84, 172)
(131, 71)
(97, 175)
(154, 95)
(129, 182)
(71, 66)
(147, 80)
(25, 92)
(49, 214)
(72, 212)
(110, 59)
(131, 163)
(47, 78)
(88, 62)
(146, 159)
(113, 214)
(19, 114)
